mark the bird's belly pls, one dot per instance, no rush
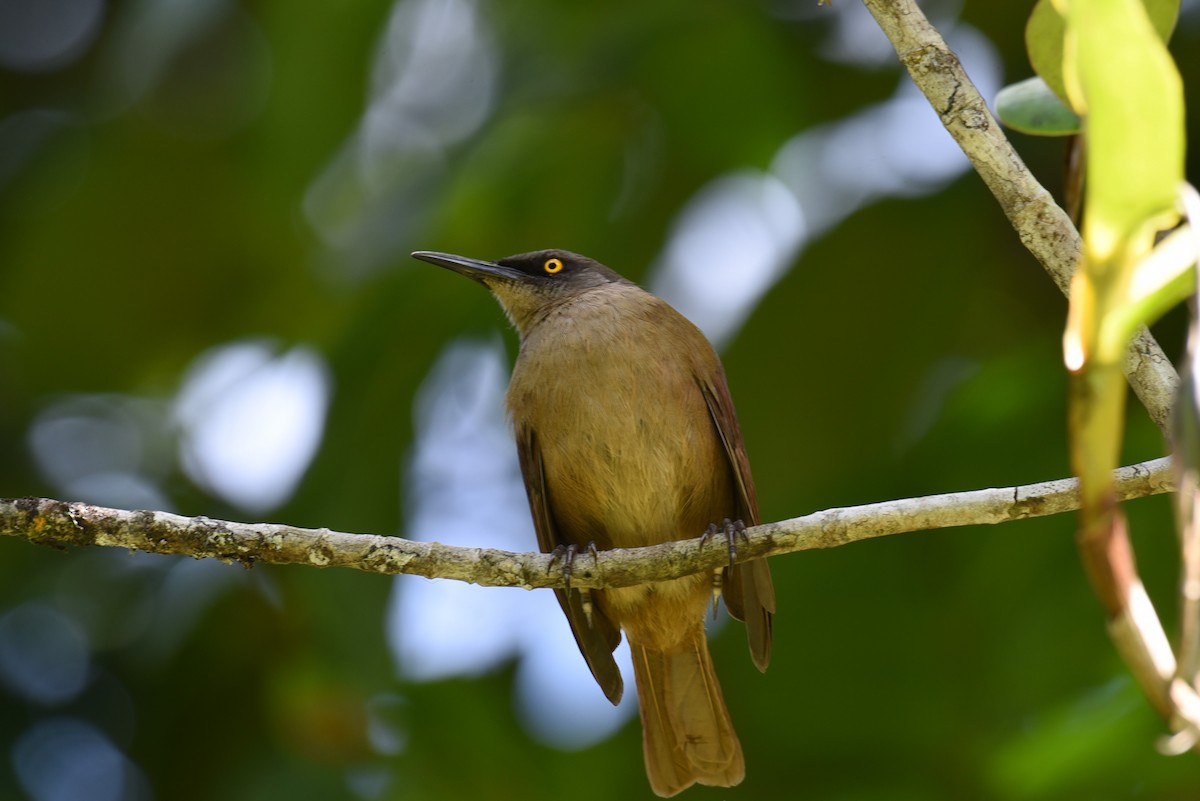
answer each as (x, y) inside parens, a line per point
(638, 484)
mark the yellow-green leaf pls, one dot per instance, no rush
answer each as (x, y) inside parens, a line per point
(1117, 71)
(1044, 37)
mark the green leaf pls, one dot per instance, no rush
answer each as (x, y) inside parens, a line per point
(1161, 281)
(1163, 15)
(1044, 43)
(1133, 97)
(1119, 73)
(1044, 37)
(1031, 107)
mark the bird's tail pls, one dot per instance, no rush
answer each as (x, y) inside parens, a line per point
(687, 733)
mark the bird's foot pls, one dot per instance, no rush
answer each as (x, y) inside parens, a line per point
(733, 529)
(567, 554)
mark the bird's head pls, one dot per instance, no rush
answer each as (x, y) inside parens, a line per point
(530, 285)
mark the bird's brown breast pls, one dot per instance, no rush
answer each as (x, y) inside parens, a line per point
(629, 449)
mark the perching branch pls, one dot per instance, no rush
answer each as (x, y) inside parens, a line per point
(1044, 228)
(62, 524)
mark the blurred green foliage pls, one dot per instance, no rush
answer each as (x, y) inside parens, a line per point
(912, 349)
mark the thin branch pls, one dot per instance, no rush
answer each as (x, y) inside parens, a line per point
(1044, 228)
(62, 524)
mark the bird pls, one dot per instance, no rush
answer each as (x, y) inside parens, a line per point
(627, 436)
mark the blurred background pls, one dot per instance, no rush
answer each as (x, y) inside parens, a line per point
(207, 307)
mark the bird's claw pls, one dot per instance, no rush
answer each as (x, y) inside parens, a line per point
(733, 529)
(567, 554)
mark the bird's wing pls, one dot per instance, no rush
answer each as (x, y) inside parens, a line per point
(597, 637)
(747, 588)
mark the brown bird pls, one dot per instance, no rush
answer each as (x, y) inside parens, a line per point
(627, 437)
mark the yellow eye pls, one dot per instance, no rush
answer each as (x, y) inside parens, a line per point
(553, 266)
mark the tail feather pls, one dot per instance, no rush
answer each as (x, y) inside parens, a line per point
(688, 736)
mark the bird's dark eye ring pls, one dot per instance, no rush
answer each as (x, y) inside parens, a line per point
(553, 266)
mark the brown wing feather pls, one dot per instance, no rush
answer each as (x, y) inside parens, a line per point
(598, 638)
(747, 588)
